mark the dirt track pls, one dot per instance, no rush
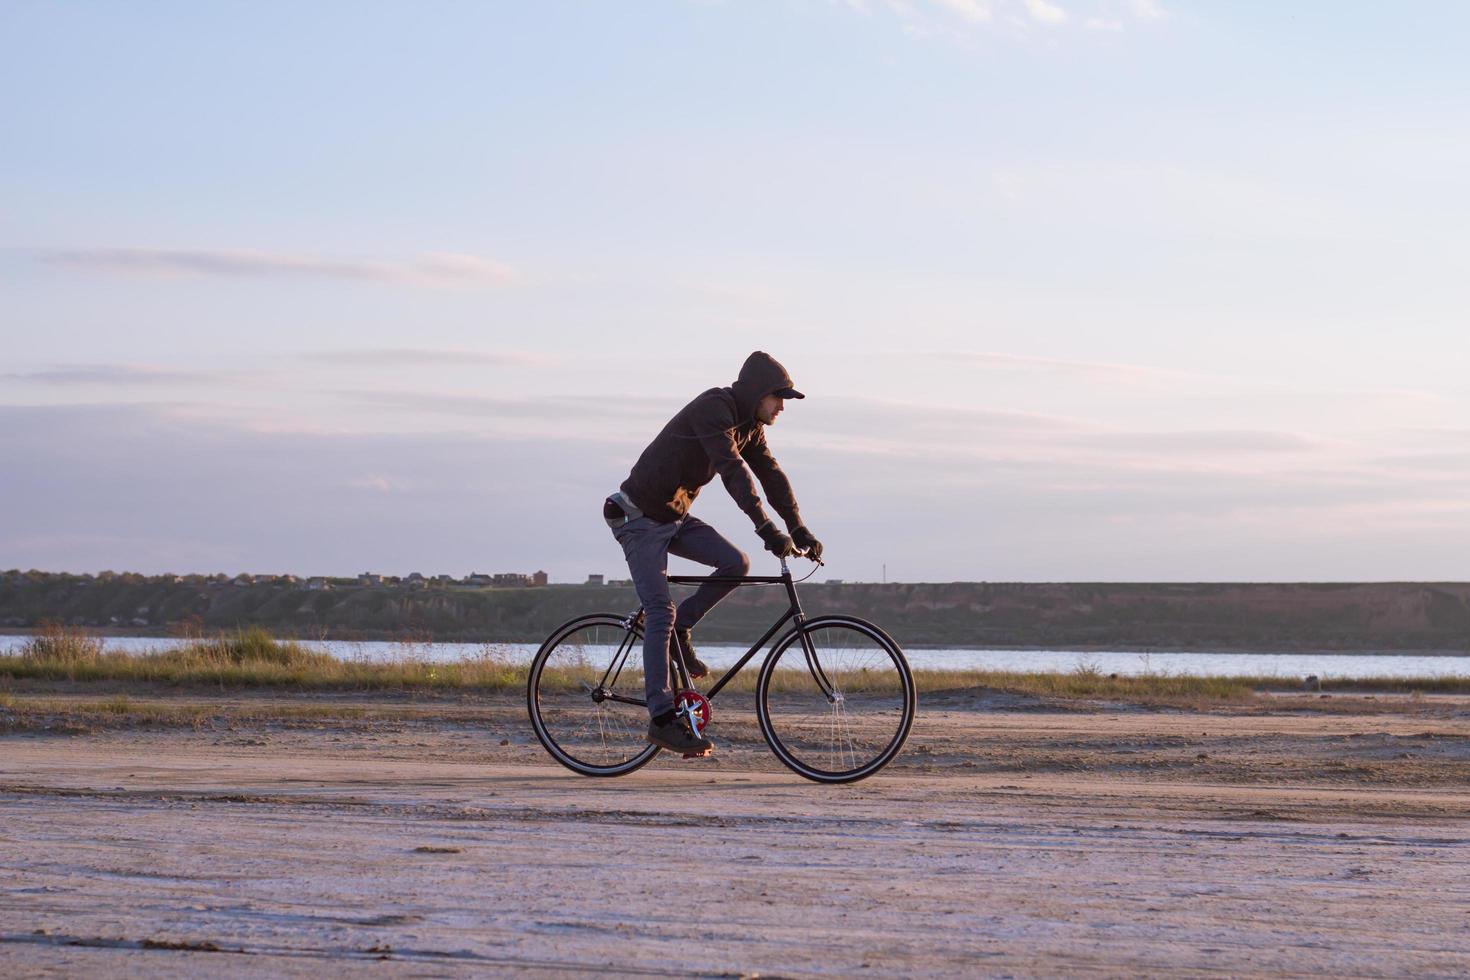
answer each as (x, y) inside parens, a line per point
(1006, 842)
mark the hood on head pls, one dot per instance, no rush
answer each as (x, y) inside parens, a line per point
(760, 375)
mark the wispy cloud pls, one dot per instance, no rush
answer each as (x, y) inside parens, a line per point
(208, 495)
(1439, 434)
(439, 269)
(1207, 441)
(1112, 369)
(1046, 13)
(1147, 10)
(1193, 380)
(425, 357)
(891, 429)
(970, 10)
(374, 482)
(868, 414)
(553, 407)
(1452, 463)
(872, 427)
(954, 18)
(139, 375)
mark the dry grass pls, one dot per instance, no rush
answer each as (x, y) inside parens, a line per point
(251, 658)
(57, 644)
(1083, 683)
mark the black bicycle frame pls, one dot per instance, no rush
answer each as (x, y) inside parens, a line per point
(793, 614)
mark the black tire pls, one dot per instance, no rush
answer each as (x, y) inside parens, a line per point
(854, 736)
(590, 735)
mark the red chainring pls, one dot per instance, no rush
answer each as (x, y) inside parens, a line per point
(698, 705)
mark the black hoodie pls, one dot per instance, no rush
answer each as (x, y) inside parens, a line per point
(716, 433)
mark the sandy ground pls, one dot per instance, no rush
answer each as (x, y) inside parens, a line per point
(1013, 838)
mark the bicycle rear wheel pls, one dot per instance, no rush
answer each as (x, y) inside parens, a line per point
(844, 715)
(585, 696)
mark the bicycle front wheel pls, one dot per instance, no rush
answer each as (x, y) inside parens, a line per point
(840, 711)
(585, 696)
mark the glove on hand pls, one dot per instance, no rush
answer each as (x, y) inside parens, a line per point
(807, 542)
(777, 543)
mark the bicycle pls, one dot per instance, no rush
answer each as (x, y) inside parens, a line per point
(835, 697)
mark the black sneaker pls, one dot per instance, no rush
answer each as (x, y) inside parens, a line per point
(676, 736)
(697, 668)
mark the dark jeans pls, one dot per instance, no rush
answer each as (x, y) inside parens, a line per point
(647, 545)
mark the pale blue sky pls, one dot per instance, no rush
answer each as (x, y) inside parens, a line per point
(1079, 290)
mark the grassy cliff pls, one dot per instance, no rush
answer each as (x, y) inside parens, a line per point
(1213, 616)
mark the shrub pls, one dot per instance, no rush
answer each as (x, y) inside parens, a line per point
(63, 646)
(249, 646)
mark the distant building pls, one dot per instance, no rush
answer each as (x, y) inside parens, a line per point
(317, 583)
(511, 579)
(594, 579)
(243, 580)
(539, 578)
(369, 578)
(414, 577)
(477, 578)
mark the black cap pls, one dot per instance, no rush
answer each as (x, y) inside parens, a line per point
(787, 393)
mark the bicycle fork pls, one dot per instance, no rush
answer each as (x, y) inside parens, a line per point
(808, 648)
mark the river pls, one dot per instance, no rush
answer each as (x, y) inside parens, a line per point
(1285, 665)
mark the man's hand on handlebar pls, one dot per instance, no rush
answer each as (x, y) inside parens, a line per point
(807, 543)
(799, 542)
(777, 542)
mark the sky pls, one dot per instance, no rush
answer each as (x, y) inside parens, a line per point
(1078, 290)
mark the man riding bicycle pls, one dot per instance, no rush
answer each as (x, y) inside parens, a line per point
(721, 431)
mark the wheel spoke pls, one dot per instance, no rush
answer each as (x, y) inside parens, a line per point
(852, 720)
(593, 735)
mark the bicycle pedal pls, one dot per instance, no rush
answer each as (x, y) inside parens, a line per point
(699, 755)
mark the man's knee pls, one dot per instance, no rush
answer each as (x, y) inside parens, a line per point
(739, 564)
(657, 615)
